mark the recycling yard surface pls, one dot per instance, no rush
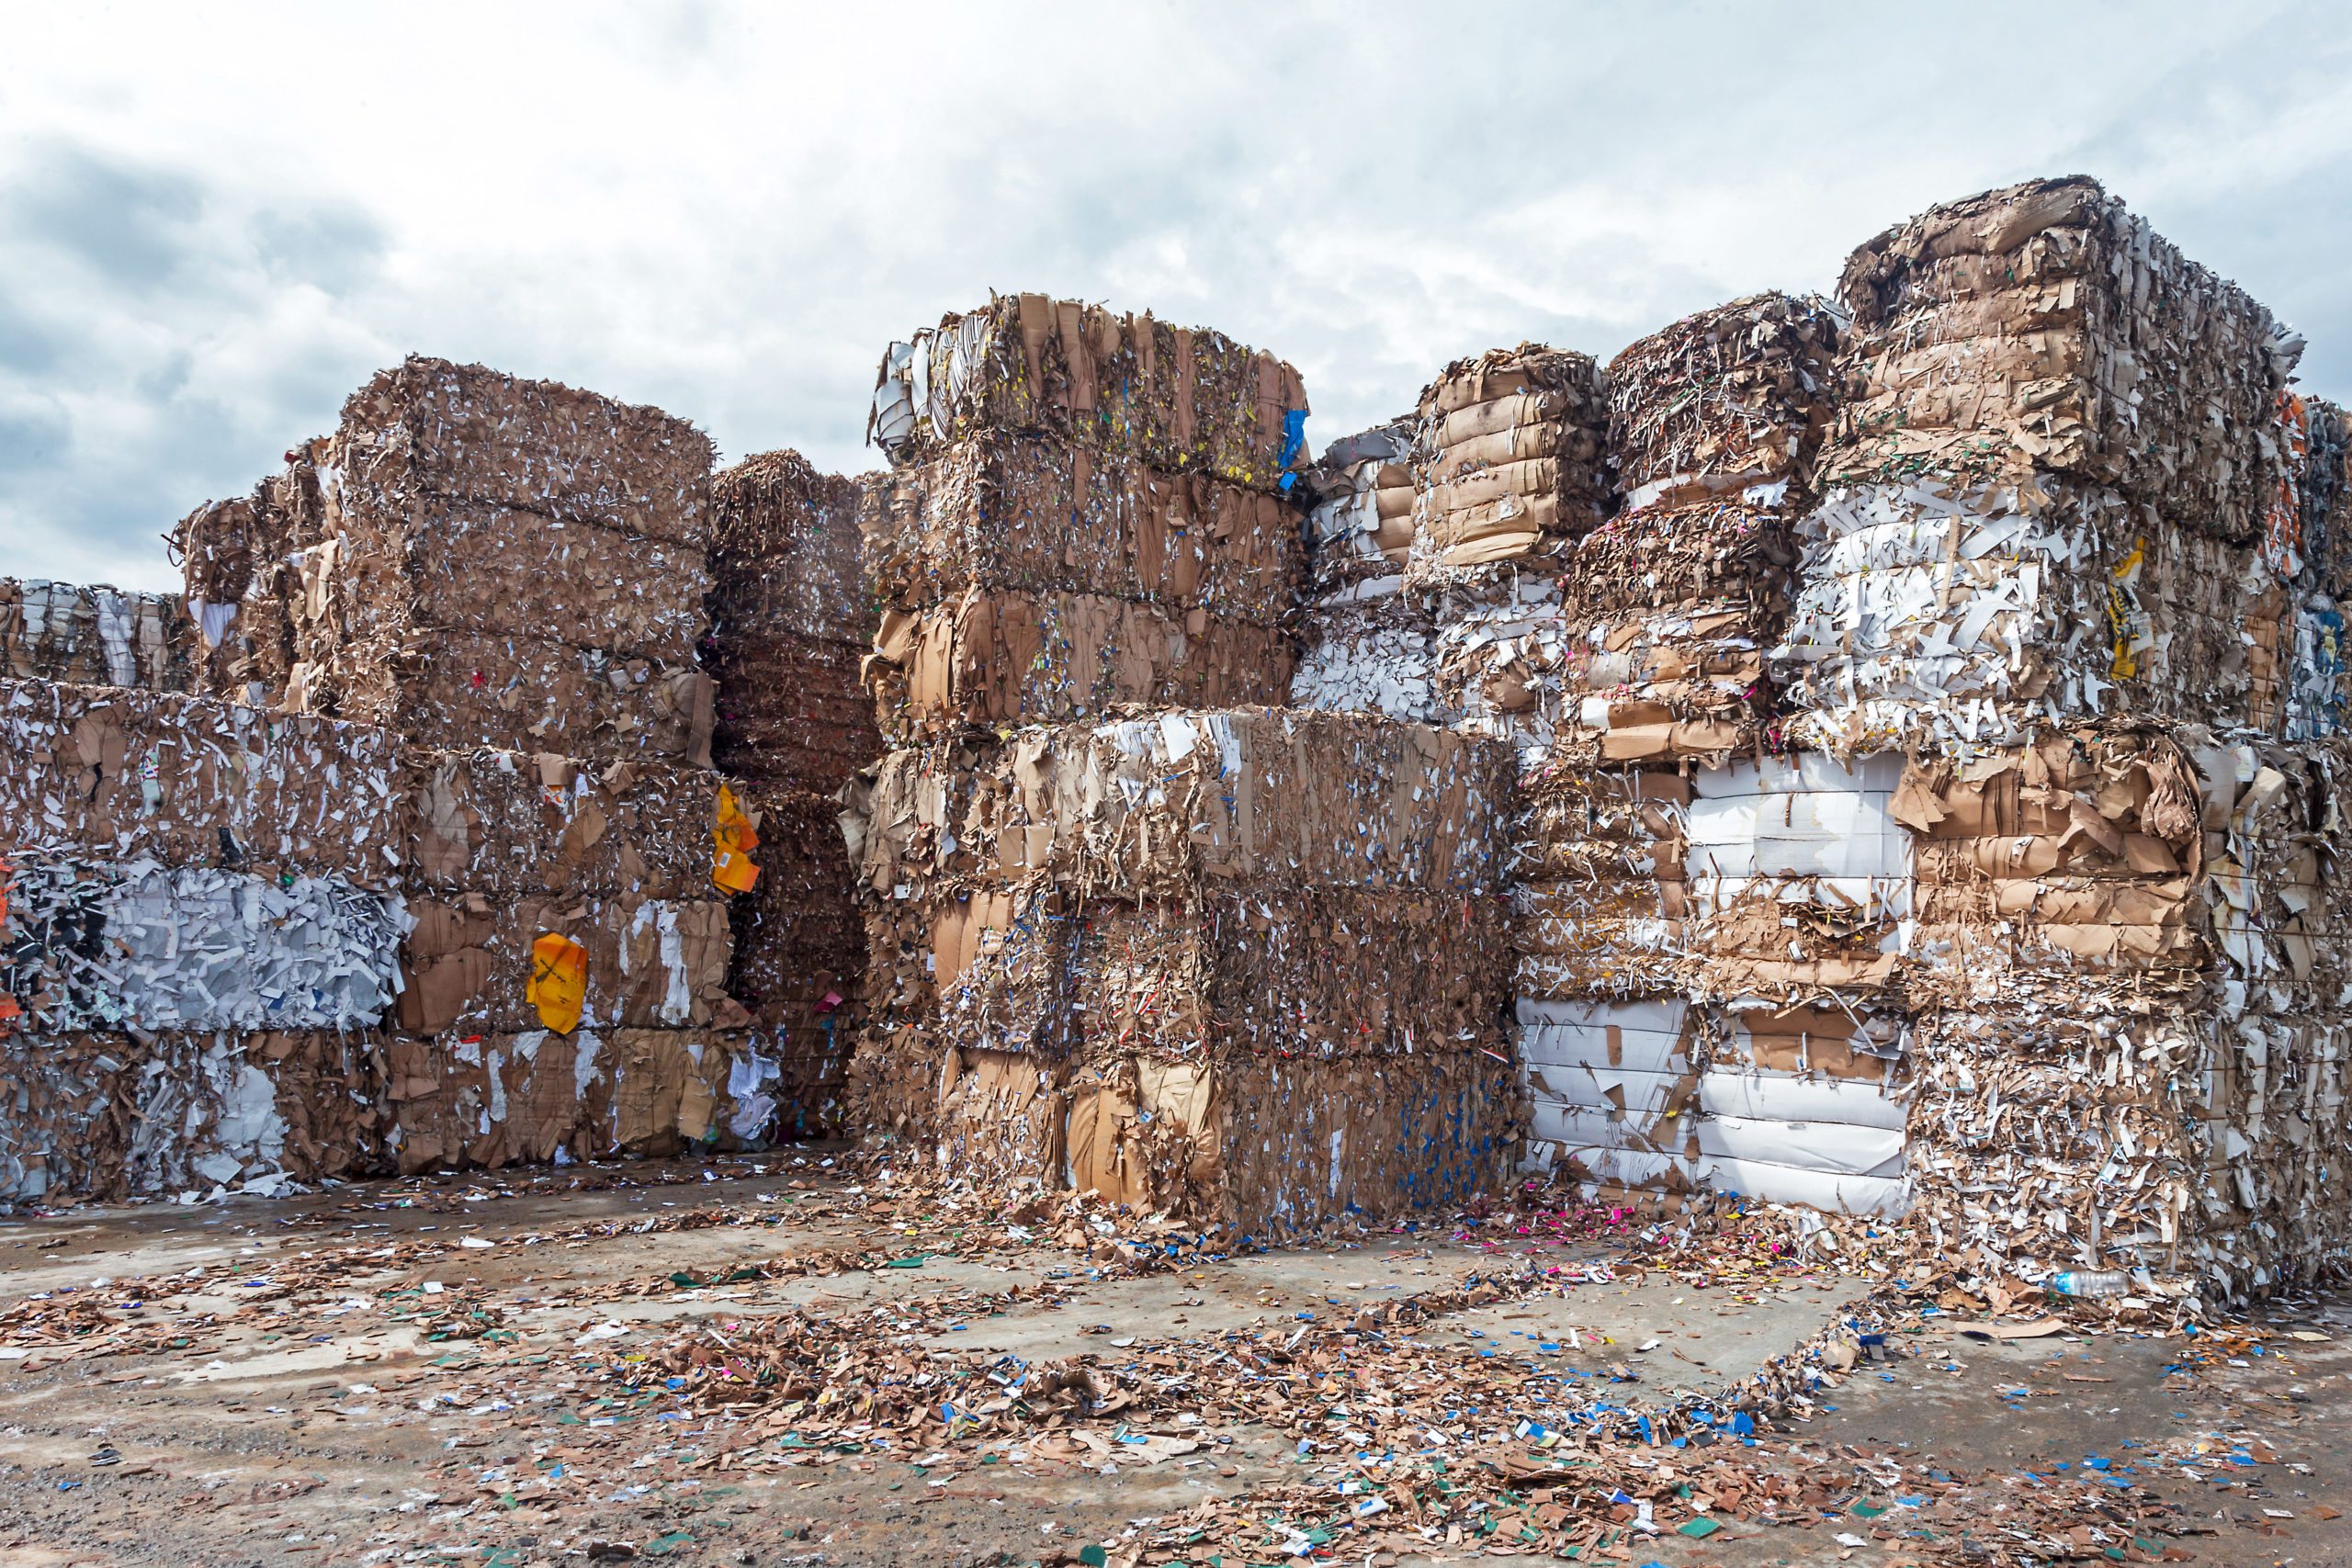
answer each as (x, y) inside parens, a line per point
(769, 1360)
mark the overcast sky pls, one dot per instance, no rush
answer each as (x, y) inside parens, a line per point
(217, 219)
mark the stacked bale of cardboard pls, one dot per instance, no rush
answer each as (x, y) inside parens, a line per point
(1082, 516)
(1511, 471)
(791, 617)
(1673, 602)
(495, 561)
(1124, 949)
(239, 946)
(2310, 519)
(199, 930)
(1140, 949)
(63, 631)
(249, 566)
(1367, 632)
(2046, 493)
(2065, 536)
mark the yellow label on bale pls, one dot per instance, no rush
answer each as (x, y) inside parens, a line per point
(735, 839)
(558, 981)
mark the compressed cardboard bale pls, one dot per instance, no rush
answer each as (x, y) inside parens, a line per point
(1182, 400)
(2055, 1133)
(1360, 524)
(429, 432)
(792, 617)
(2324, 493)
(1597, 885)
(1727, 400)
(1797, 877)
(790, 709)
(1612, 1088)
(110, 1115)
(506, 573)
(1510, 459)
(1006, 514)
(452, 690)
(2082, 850)
(1371, 652)
(1275, 970)
(1271, 1145)
(92, 945)
(507, 824)
(589, 517)
(2044, 328)
(786, 556)
(467, 1100)
(65, 1116)
(1932, 613)
(1366, 635)
(243, 564)
(192, 781)
(1163, 806)
(650, 962)
(798, 965)
(98, 635)
(1001, 658)
(1806, 1105)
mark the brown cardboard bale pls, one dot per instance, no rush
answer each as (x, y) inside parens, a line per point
(995, 659)
(1254, 969)
(452, 691)
(242, 562)
(188, 781)
(504, 824)
(468, 1101)
(2043, 327)
(1270, 1145)
(99, 636)
(1008, 513)
(791, 710)
(1167, 805)
(1597, 882)
(505, 572)
(1510, 460)
(1182, 400)
(429, 433)
(1272, 970)
(2082, 850)
(651, 962)
(800, 954)
(1722, 401)
(110, 1115)
(785, 557)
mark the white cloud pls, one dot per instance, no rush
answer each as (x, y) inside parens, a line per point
(215, 221)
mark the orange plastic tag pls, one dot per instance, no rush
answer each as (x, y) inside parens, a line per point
(559, 986)
(734, 839)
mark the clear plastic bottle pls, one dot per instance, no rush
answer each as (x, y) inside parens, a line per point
(2090, 1282)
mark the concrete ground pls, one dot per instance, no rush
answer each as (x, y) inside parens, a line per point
(257, 1391)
